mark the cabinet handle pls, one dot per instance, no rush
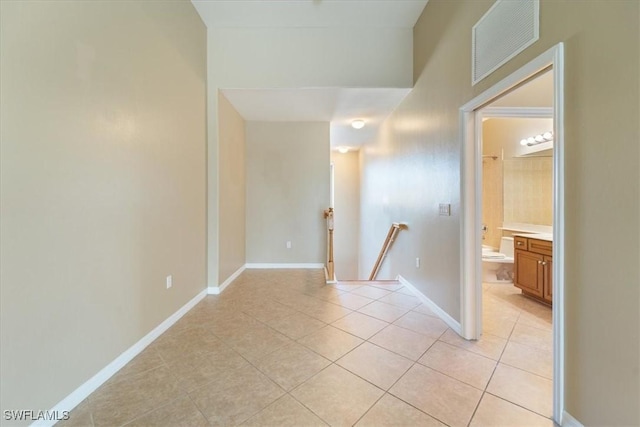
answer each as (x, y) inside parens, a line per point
(539, 262)
(544, 263)
(519, 243)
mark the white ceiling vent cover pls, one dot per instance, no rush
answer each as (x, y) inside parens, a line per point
(509, 27)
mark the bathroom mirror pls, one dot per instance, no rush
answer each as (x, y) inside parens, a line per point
(528, 190)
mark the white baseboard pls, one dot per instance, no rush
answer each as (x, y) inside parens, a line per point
(293, 265)
(215, 290)
(81, 393)
(332, 281)
(446, 318)
(569, 421)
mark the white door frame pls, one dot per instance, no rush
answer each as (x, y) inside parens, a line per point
(471, 199)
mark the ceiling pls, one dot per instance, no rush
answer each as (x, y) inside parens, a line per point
(534, 93)
(339, 106)
(309, 13)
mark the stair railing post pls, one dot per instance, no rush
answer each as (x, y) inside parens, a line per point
(328, 214)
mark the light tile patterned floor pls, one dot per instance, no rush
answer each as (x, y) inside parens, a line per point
(281, 348)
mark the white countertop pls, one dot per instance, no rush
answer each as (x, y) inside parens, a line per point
(540, 236)
(520, 227)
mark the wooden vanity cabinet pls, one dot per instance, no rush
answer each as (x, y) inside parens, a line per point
(533, 267)
(548, 279)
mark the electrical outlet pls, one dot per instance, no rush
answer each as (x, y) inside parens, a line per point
(169, 281)
(288, 244)
(417, 262)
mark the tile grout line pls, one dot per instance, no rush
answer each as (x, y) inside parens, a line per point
(261, 372)
(496, 367)
(223, 341)
(304, 382)
(188, 393)
(446, 374)
(408, 403)
(520, 406)
(405, 373)
(484, 391)
(164, 405)
(370, 408)
(91, 396)
(286, 392)
(349, 371)
(169, 402)
(291, 341)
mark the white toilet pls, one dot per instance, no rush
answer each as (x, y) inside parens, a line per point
(497, 267)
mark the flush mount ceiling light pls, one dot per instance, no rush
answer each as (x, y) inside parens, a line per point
(538, 139)
(357, 124)
(343, 150)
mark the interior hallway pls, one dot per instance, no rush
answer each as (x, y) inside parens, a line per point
(281, 348)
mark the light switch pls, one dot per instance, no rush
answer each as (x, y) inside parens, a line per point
(445, 209)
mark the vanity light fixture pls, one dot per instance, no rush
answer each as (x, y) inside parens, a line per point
(357, 124)
(538, 139)
(343, 150)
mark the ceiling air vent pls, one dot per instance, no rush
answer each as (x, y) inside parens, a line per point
(509, 27)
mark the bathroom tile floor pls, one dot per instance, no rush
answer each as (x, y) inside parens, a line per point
(281, 348)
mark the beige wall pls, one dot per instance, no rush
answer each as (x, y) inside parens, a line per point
(103, 184)
(346, 175)
(287, 191)
(232, 189)
(420, 159)
(296, 57)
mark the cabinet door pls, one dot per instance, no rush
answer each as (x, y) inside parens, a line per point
(529, 272)
(548, 278)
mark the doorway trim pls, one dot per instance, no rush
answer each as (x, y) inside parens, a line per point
(471, 199)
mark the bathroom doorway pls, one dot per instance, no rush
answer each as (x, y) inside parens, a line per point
(550, 335)
(517, 223)
(516, 141)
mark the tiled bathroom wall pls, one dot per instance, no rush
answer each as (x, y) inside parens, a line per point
(528, 190)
